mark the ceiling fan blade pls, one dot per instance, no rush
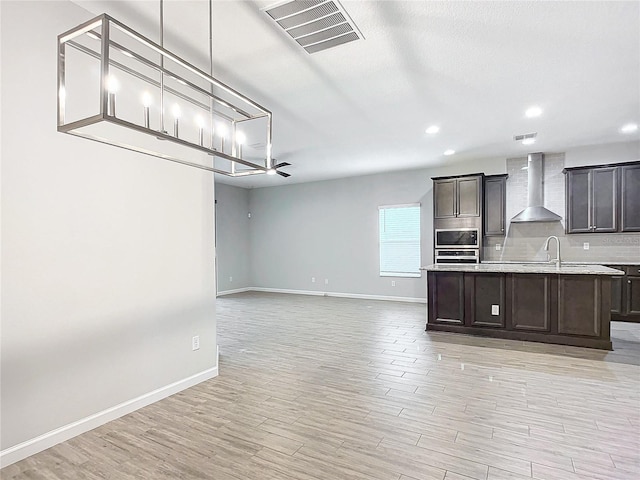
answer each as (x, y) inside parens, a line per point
(282, 174)
(283, 164)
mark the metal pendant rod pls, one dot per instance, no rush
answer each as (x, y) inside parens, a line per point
(162, 67)
(211, 73)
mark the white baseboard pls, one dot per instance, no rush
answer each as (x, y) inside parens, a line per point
(341, 295)
(49, 439)
(230, 292)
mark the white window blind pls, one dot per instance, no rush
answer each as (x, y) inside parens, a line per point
(399, 240)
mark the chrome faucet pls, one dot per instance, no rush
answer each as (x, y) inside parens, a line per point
(546, 247)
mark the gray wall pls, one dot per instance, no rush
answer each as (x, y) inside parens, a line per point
(107, 256)
(232, 238)
(329, 230)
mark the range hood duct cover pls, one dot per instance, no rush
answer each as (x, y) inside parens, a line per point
(535, 211)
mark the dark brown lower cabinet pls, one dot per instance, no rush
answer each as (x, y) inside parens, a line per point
(488, 292)
(448, 292)
(530, 302)
(579, 305)
(550, 308)
(633, 296)
(625, 294)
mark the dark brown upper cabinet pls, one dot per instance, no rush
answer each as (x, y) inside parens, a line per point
(457, 196)
(603, 198)
(630, 198)
(495, 187)
(592, 200)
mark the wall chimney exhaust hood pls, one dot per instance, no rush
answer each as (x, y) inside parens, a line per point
(535, 211)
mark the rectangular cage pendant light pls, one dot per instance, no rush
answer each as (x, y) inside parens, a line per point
(116, 86)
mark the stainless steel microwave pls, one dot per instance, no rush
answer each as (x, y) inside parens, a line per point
(457, 238)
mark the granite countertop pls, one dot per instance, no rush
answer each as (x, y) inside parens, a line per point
(568, 262)
(522, 267)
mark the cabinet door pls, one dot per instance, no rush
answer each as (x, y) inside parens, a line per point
(444, 198)
(616, 294)
(604, 184)
(578, 201)
(469, 197)
(488, 300)
(630, 207)
(447, 289)
(494, 200)
(579, 310)
(530, 302)
(633, 295)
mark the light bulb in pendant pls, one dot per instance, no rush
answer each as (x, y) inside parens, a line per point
(222, 133)
(176, 118)
(200, 124)
(112, 84)
(271, 171)
(112, 87)
(147, 100)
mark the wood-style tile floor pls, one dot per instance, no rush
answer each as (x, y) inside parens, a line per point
(318, 388)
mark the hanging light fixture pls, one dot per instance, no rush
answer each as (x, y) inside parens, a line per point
(118, 87)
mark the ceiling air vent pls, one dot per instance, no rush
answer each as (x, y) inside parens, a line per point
(526, 136)
(315, 24)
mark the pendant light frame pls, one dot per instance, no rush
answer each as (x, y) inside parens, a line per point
(233, 107)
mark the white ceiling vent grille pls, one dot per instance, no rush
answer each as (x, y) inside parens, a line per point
(315, 24)
(525, 136)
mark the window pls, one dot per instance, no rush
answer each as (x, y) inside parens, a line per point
(399, 240)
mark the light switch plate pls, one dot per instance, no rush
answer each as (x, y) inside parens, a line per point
(585, 245)
(495, 309)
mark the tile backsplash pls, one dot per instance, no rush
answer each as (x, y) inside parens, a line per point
(525, 241)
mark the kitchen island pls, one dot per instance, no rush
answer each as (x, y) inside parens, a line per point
(568, 304)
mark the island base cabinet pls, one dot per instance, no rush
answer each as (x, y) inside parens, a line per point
(550, 308)
(582, 306)
(448, 299)
(529, 302)
(488, 294)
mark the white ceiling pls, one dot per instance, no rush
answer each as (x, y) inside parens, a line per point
(470, 67)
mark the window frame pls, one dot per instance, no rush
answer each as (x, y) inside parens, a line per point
(418, 273)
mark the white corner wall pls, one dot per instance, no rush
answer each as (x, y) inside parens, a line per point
(232, 239)
(107, 258)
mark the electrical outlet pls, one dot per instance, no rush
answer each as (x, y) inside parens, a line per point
(393, 283)
(495, 309)
(313, 279)
(326, 281)
(585, 245)
(249, 215)
(231, 279)
(195, 343)
(498, 246)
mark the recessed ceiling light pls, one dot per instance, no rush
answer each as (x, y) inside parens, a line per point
(629, 128)
(449, 152)
(533, 112)
(432, 129)
(528, 141)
